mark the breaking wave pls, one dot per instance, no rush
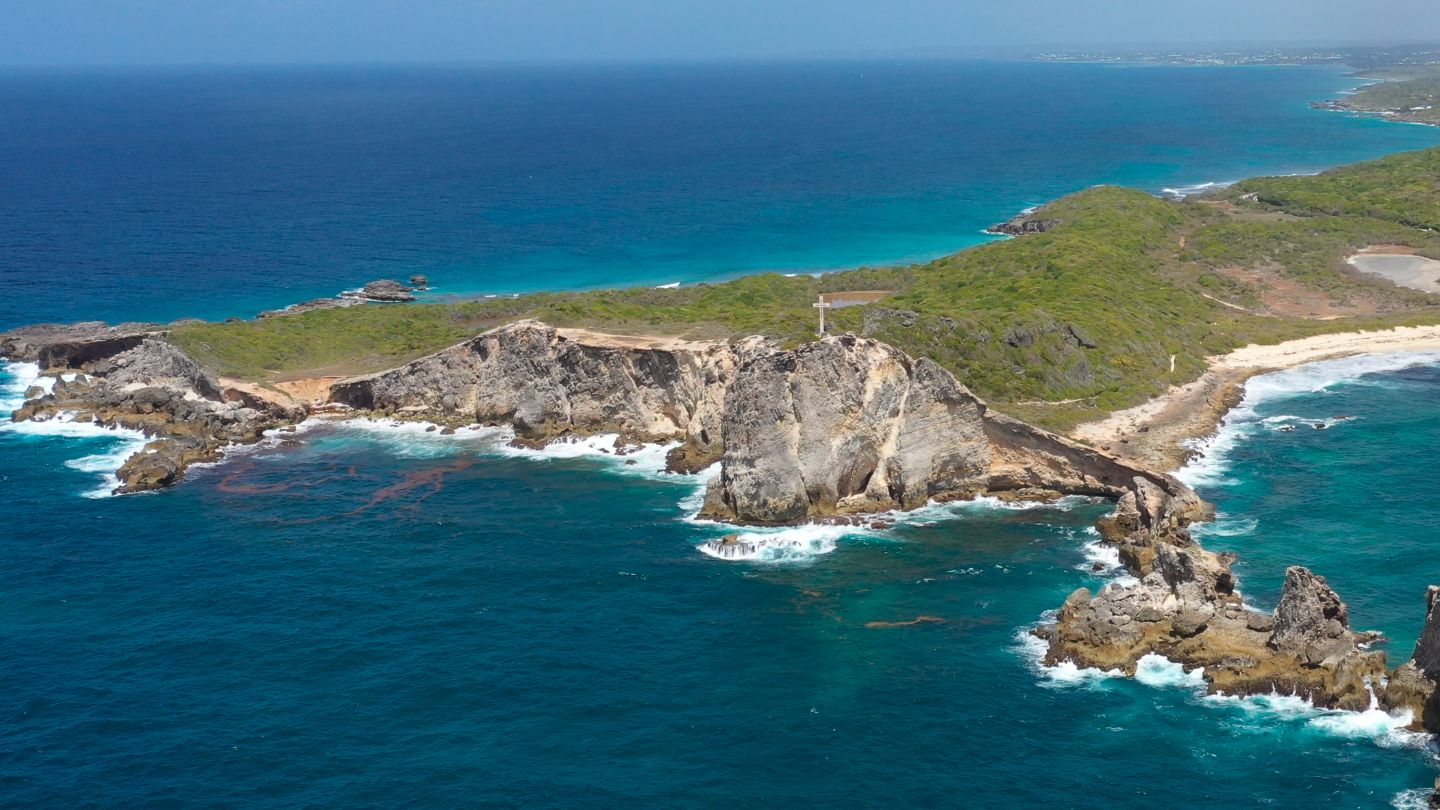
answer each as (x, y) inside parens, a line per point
(1182, 192)
(1385, 729)
(120, 443)
(1212, 460)
(794, 544)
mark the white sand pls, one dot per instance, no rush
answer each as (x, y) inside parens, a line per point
(1151, 431)
(1405, 270)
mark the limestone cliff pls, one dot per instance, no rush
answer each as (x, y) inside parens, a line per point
(849, 425)
(841, 426)
(845, 425)
(1416, 684)
(548, 383)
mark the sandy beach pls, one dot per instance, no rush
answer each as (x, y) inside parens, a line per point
(1156, 432)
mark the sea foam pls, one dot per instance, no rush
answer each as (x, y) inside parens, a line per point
(1385, 729)
(793, 544)
(121, 443)
(1211, 463)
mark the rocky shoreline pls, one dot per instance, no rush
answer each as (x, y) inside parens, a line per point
(1183, 603)
(835, 430)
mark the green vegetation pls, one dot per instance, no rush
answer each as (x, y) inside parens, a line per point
(1400, 188)
(1055, 327)
(1412, 93)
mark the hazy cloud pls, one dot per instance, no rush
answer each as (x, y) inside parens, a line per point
(68, 32)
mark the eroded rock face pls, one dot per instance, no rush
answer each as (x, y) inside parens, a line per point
(1024, 224)
(845, 425)
(1187, 611)
(546, 385)
(1416, 684)
(386, 291)
(1185, 607)
(70, 345)
(155, 388)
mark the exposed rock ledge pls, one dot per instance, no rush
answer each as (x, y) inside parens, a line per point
(1184, 604)
(840, 427)
(132, 378)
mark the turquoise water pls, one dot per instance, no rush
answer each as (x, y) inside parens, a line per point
(380, 616)
(364, 615)
(1348, 498)
(168, 194)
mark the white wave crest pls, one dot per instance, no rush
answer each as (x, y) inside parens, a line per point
(935, 511)
(1226, 526)
(1414, 799)
(1212, 459)
(1198, 188)
(1104, 559)
(123, 443)
(22, 377)
(647, 460)
(795, 544)
(1160, 672)
(1032, 649)
(1385, 729)
(427, 440)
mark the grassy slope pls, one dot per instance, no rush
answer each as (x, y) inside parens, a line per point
(1092, 310)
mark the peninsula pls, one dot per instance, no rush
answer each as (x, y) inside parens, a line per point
(1108, 315)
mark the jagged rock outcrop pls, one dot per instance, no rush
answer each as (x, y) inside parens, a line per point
(385, 291)
(313, 305)
(153, 387)
(845, 425)
(548, 385)
(1024, 224)
(1415, 685)
(70, 345)
(1187, 610)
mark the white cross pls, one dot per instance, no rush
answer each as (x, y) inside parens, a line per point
(822, 306)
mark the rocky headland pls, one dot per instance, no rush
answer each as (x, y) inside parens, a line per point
(832, 430)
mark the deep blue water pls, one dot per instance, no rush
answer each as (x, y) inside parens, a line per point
(381, 618)
(160, 195)
(370, 617)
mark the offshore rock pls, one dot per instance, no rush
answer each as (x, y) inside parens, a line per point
(385, 291)
(1187, 611)
(1416, 684)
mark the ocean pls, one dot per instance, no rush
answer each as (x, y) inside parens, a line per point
(371, 615)
(157, 195)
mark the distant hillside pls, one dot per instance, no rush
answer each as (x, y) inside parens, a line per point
(1057, 327)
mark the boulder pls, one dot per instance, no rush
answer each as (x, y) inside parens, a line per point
(387, 291)
(1310, 618)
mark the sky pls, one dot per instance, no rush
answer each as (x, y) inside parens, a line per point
(148, 32)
